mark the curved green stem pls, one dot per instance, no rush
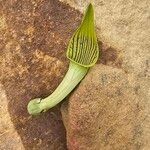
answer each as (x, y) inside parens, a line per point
(83, 52)
(74, 75)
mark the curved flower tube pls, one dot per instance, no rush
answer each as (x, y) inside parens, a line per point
(83, 52)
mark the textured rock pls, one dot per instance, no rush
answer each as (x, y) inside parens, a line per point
(114, 115)
(123, 25)
(9, 139)
(33, 39)
(108, 111)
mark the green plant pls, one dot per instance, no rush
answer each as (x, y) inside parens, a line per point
(83, 53)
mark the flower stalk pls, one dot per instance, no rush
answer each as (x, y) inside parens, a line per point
(83, 53)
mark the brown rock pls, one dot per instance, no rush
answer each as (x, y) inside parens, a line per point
(9, 139)
(33, 40)
(108, 111)
(114, 115)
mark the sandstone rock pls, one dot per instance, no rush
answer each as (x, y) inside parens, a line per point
(33, 40)
(114, 115)
(109, 111)
(9, 139)
(124, 25)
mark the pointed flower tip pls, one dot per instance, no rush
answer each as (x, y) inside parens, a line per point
(89, 14)
(90, 4)
(90, 7)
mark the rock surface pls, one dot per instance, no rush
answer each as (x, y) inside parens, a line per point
(108, 111)
(33, 39)
(9, 139)
(123, 25)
